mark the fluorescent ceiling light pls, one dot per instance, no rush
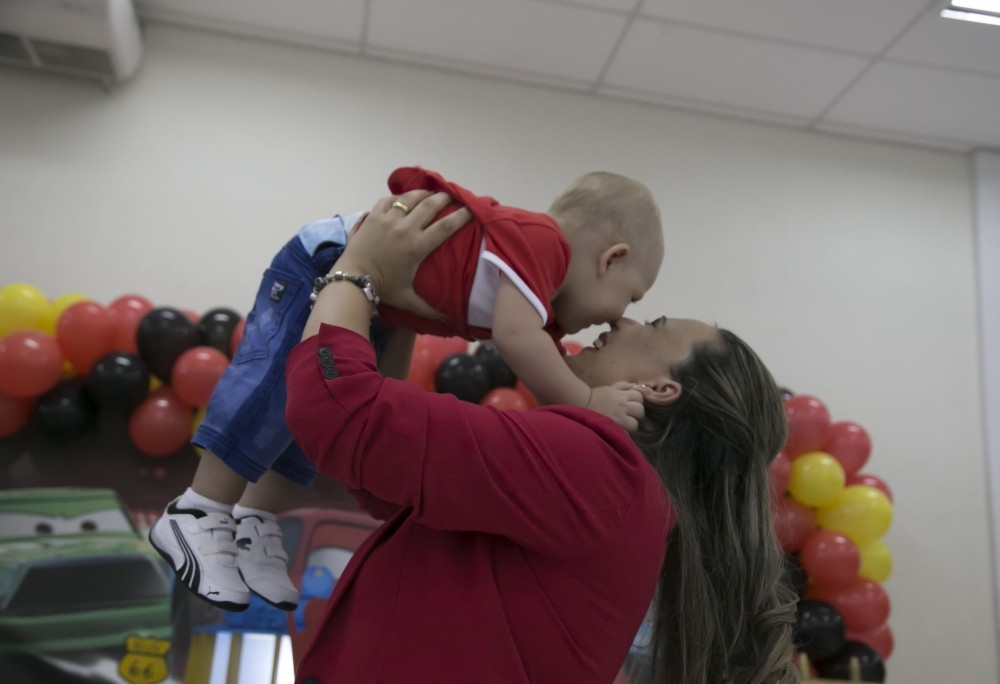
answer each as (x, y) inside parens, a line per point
(978, 5)
(971, 16)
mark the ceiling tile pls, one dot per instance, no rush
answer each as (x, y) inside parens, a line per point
(855, 25)
(626, 6)
(926, 102)
(299, 21)
(730, 70)
(950, 43)
(519, 36)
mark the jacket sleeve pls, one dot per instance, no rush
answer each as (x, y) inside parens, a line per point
(556, 480)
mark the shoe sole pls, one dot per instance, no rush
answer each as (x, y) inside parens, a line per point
(225, 605)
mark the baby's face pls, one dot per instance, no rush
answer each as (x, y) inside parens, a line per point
(594, 298)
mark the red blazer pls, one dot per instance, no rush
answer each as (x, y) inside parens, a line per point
(519, 547)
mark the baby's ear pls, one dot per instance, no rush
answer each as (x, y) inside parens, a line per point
(617, 251)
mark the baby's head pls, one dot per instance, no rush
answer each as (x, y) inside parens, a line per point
(613, 226)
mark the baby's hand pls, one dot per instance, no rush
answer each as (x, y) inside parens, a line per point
(620, 402)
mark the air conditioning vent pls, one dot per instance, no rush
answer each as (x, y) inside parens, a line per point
(93, 38)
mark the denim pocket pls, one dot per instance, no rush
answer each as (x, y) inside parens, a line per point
(279, 302)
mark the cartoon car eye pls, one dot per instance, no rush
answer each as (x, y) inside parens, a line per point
(43, 528)
(88, 526)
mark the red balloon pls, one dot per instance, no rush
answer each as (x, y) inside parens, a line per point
(85, 332)
(863, 604)
(422, 368)
(192, 316)
(237, 337)
(850, 444)
(808, 425)
(195, 374)
(793, 523)
(572, 348)
(440, 348)
(31, 363)
(505, 398)
(880, 639)
(126, 312)
(161, 424)
(870, 481)
(831, 559)
(14, 414)
(780, 475)
(529, 397)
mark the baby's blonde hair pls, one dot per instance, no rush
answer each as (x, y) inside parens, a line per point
(620, 208)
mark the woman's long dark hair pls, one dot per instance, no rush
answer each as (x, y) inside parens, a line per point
(722, 614)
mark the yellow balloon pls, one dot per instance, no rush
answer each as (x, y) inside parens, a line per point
(863, 514)
(876, 562)
(22, 307)
(154, 383)
(817, 479)
(199, 416)
(56, 308)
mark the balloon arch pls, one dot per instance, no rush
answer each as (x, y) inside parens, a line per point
(64, 360)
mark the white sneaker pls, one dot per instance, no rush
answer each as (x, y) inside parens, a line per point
(199, 546)
(263, 562)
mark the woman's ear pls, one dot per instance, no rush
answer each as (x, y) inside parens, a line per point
(619, 250)
(663, 391)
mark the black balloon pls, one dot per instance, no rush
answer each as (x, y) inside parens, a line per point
(819, 629)
(66, 411)
(163, 335)
(118, 381)
(215, 329)
(497, 370)
(870, 663)
(464, 376)
(794, 574)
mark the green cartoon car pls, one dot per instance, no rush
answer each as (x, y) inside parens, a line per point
(77, 580)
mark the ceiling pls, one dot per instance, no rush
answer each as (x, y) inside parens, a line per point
(887, 69)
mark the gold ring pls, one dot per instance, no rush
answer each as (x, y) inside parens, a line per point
(402, 207)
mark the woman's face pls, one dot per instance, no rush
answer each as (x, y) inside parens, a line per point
(639, 353)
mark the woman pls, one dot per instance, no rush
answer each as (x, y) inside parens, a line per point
(525, 546)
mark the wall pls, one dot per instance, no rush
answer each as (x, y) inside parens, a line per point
(848, 264)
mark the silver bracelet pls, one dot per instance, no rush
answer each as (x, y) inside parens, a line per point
(364, 282)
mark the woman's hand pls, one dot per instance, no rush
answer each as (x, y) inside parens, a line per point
(391, 243)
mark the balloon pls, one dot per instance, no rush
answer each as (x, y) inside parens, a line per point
(876, 562)
(237, 337)
(871, 481)
(192, 316)
(830, 558)
(572, 348)
(56, 308)
(817, 479)
(794, 575)
(196, 373)
(505, 398)
(422, 368)
(880, 639)
(22, 307)
(527, 394)
(863, 604)
(199, 416)
(31, 363)
(850, 444)
(161, 424)
(870, 664)
(464, 376)
(862, 513)
(66, 411)
(85, 332)
(793, 523)
(808, 423)
(14, 414)
(216, 327)
(126, 312)
(497, 369)
(779, 474)
(118, 381)
(819, 630)
(163, 335)
(440, 347)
